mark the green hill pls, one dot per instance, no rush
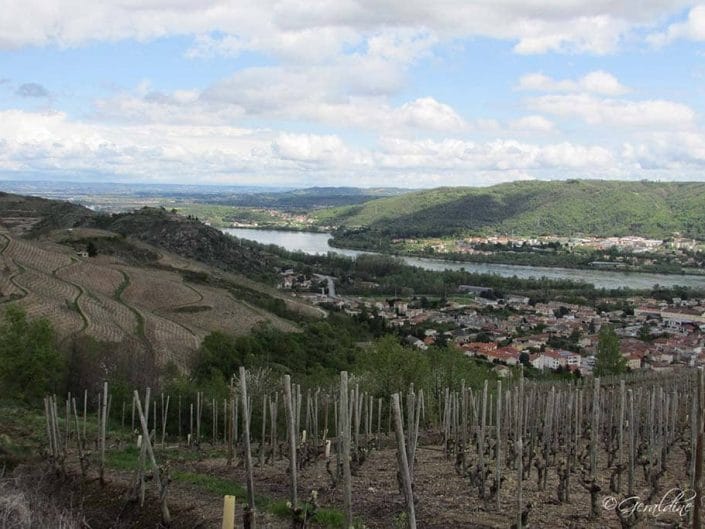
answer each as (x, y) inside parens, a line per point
(589, 207)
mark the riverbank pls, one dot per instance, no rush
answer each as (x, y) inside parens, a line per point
(319, 243)
(532, 260)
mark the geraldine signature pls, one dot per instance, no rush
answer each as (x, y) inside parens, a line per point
(675, 501)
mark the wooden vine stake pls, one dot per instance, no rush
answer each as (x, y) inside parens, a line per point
(520, 451)
(161, 484)
(228, 512)
(103, 421)
(498, 470)
(291, 421)
(697, 507)
(344, 434)
(403, 462)
(249, 516)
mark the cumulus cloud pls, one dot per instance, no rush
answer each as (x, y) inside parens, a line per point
(534, 123)
(693, 28)
(31, 90)
(618, 112)
(293, 27)
(597, 82)
(314, 95)
(52, 142)
(667, 152)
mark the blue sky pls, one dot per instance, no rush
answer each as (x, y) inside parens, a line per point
(352, 92)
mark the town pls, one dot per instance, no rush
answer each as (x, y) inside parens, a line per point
(653, 334)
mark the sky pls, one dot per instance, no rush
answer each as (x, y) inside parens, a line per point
(404, 93)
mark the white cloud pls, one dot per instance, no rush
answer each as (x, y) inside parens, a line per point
(497, 155)
(597, 82)
(295, 28)
(693, 28)
(673, 153)
(617, 112)
(427, 113)
(534, 123)
(310, 148)
(313, 95)
(52, 143)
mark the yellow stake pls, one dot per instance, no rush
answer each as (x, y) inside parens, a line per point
(229, 512)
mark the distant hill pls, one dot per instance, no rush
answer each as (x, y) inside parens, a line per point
(192, 239)
(27, 214)
(590, 207)
(303, 199)
(119, 197)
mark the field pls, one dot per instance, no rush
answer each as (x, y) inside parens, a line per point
(587, 447)
(101, 279)
(217, 310)
(109, 320)
(30, 256)
(158, 290)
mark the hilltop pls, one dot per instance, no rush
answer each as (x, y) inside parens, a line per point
(589, 207)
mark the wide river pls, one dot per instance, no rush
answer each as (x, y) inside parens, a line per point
(317, 243)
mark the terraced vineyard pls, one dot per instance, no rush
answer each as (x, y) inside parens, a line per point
(100, 279)
(109, 320)
(158, 290)
(113, 301)
(170, 341)
(8, 269)
(66, 320)
(217, 310)
(30, 256)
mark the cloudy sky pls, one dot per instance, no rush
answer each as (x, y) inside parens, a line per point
(411, 93)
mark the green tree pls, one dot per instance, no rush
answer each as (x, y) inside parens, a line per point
(91, 249)
(393, 367)
(645, 332)
(609, 361)
(30, 364)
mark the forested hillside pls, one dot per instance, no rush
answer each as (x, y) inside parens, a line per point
(590, 207)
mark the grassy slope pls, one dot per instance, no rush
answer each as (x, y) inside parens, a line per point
(566, 208)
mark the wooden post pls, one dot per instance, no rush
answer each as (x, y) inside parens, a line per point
(273, 403)
(198, 416)
(481, 443)
(632, 424)
(166, 516)
(79, 443)
(165, 412)
(104, 417)
(248, 455)
(263, 439)
(344, 432)
(498, 469)
(50, 434)
(190, 428)
(594, 428)
(379, 418)
(403, 462)
(143, 445)
(620, 453)
(520, 450)
(291, 421)
(464, 426)
(228, 512)
(698, 481)
(233, 403)
(85, 412)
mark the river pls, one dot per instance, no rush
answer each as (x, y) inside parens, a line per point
(317, 243)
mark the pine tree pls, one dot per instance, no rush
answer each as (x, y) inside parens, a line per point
(609, 360)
